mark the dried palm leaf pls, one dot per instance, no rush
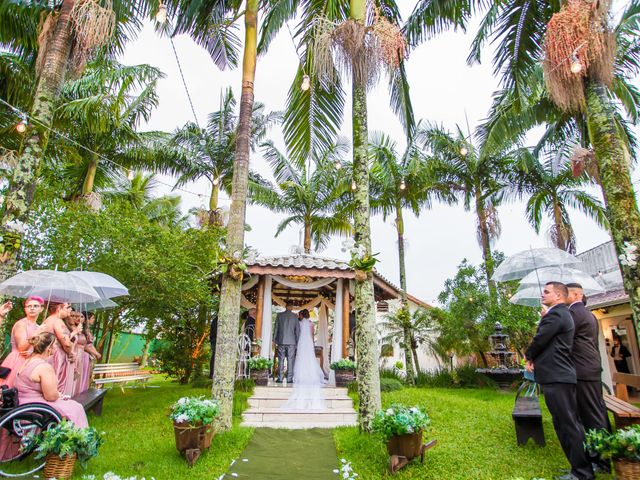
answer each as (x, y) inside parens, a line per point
(584, 160)
(563, 237)
(94, 25)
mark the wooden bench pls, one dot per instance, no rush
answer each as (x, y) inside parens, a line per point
(527, 416)
(624, 413)
(118, 373)
(91, 400)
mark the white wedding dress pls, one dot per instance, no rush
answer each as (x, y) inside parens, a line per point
(308, 377)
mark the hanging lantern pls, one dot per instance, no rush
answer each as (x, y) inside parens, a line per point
(464, 151)
(403, 185)
(21, 127)
(161, 14)
(130, 175)
(306, 83)
(576, 66)
(338, 165)
(353, 185)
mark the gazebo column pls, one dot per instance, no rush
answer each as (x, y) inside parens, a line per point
(265, 350)
(345, 318)
(259, 308)
(336, 343)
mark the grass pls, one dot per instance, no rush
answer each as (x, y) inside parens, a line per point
(476, 440)
(140, 440)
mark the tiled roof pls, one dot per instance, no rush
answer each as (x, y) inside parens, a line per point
(613, 297)
(299, 261)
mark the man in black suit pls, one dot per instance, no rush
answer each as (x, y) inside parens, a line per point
(592, 410)
(550, 356)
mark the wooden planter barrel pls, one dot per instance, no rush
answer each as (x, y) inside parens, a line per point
(344, 377)
(189, 436)
(60, 468)
(627, 469)
(404, 448)
(261, 377)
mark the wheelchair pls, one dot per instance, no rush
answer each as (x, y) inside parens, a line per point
(17, 426)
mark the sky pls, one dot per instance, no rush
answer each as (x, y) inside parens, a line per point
(444, 90)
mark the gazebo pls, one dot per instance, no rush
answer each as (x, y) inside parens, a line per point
(308, 281)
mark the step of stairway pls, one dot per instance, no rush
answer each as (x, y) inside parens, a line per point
(285, 391)
(298, 425)
(332, 417)
(276, 402)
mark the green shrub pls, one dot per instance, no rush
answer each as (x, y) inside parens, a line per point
(343, 364)
(438, 378)
(390, 385)
(400, 420)
(244, 385)
(464, 377)
(391, 373)
(194, 410)
(65, 439)
(623, 443)
(352, 387)
(260, 363)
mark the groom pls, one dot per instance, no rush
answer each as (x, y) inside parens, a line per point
(285, 336)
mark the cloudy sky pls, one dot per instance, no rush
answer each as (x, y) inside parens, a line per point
(443, 89)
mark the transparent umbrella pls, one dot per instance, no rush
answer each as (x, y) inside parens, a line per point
(52, 285)
(102, 304)
(522, 263)
(527, 295)
(541, 276)
(105, 285)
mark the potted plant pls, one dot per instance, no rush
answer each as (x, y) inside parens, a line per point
(62, 444)
(622, 446)
(192, 423)
(361, 262)
(259, 368)
(402, 428)
(345, 371)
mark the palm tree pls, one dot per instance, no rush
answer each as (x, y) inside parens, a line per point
(209, 152)
(520, 31)
(399, 183)
(551, 189)
(477, 175)
(314, 199)
(69, 34)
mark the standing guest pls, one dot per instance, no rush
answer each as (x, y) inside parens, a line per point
(74, 324)
(549, 354)
(22, 331)
(89, 351)
(620, 353)
(285, 336)
(37, 383)
(592, 410)
(63, 355)
(250, 324)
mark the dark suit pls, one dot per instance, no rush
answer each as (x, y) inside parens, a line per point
(550, 352)
(592, 410)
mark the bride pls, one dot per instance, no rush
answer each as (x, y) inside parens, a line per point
(307, 374)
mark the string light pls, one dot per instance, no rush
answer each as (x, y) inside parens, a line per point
(216, 181)
(130, 175)
(353, 185)
(21, 127)
(161, 14)
(464, 151)
(306, 83)
(576, 66)
(338, 165)
(403, 185)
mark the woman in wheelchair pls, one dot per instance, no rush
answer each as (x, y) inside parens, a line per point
(37, 382)
(22, 331)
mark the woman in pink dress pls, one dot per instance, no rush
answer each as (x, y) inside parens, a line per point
(21, 332)
(89, 353)
(37, 383)
(63, 351)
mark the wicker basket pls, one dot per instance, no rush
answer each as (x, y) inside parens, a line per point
(60, 468)
(627, 469)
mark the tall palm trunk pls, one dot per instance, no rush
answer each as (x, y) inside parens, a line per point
(366, 340)
(22, 185)
(226, 354)
(561, 240)
(307, 237)
(403, 287)
(485, 242)
(414, 349)
(613, 166)
(213, 199)
(90, 177)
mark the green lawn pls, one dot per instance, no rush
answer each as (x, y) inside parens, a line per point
(476, 440)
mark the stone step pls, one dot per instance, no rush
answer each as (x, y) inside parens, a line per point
(253, 416)
(275, 402)
(298, 425)
(284, 392)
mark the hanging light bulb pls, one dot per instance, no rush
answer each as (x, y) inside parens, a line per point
(403, 185)
(464, 151)
(216, 181)
(353, 185)
(21, 127)
(576, 65)
(338, 165)
(161, 14)
(130, 175)
(306, 83)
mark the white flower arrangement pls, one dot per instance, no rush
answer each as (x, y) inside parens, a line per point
(629, 257)
(346, 470)
(113, 476)
(15, 226)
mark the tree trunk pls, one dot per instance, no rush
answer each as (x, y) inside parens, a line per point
(366, 339)
(557, 219)
(485, 242)
(416, 363)
(89, 179)
(307, 238)
(229, 314)
(213, 199)
(145, 352)
(615, 179)
(403, 292)
(21, 188)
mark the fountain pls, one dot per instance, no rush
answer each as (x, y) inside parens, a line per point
(504, 372)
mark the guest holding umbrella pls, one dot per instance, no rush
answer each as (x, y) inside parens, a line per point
(63, 349)
(89, 352)
(22, 331)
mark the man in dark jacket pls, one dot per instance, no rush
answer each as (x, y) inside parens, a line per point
(592, 410)
(549, 355)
